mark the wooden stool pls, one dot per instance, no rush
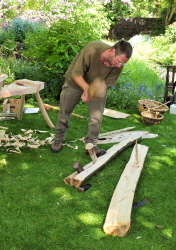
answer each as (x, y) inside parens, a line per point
(23, 87)
(170, 82)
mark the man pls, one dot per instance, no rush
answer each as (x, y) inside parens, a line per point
(95, 60)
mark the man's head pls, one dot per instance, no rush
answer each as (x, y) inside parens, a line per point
(123, 47)
(118, 54)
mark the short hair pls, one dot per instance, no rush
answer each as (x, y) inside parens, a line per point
(123, 47)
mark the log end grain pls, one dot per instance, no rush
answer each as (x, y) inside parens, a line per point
(117, 230)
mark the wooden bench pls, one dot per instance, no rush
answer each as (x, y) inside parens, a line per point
(23, 87)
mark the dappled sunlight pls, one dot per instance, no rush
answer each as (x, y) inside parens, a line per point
(24, 166)
(145, 223)
(62, 192)
(90, 218)
(159, 160)
(98, 233)
(167, 232)
(151, 225)
(173, 121)
(3, 162)
(148, 210)
(136, 116)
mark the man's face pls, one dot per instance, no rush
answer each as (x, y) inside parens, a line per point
(115, 61)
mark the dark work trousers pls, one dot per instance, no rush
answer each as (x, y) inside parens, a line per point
(69, 98)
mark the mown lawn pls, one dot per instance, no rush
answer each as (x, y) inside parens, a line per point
(40, 212)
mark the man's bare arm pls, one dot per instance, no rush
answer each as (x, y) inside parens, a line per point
(79, 80)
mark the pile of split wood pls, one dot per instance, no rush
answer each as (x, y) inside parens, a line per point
(118, 218)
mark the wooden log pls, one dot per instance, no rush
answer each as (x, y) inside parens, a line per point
(118, 217)
(3, 127)
(89, 147)
(57, 108)
(77, 179)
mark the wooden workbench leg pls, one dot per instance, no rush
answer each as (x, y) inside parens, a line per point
(42, 109)
(22, 102)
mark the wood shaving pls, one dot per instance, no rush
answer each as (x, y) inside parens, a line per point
(28, 140)
(16, 150)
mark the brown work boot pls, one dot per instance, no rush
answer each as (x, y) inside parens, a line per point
(98, 151)
(56, 146)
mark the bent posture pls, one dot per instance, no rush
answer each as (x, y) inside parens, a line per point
(96, 60)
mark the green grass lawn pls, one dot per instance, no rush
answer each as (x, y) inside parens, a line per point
(40, 212)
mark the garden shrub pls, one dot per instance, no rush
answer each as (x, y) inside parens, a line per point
(55, 47)
(126, 95)
(7, 42)
(13, 34)
(20, 28)
(164, 46)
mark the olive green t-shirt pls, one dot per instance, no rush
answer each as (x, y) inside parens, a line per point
(88, 64)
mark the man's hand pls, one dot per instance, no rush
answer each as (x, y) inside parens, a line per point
(85, 96)
(84, 85)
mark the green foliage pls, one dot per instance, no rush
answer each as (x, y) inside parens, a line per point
(158, 49)
(151, 8)
(138, 80)
(21, 28)
(7, 42)
(164, 46)
(170, 33)
(14, 33)
(55, 47)
(126, 95)
(23, 69)
(117, 10)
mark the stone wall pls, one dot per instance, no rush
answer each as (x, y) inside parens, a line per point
(134, 26)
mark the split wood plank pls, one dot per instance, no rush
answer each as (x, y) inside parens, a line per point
(111, 153)
(114, 114)
(118, 217)
(113, 137)
(21, 87)
(115, 131)
(70, 179)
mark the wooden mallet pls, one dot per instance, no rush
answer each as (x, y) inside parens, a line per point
(97, 89)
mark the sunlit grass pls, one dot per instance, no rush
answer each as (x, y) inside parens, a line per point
(38, 209)
(40, 212)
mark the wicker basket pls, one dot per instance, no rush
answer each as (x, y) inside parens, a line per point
(155, 106)
(152, 118)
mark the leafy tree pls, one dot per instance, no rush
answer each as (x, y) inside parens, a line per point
(117, 10)
(158, 8)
